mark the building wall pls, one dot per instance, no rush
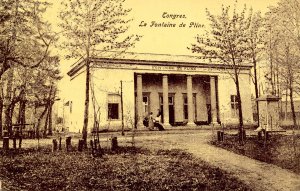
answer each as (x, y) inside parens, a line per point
(106, 81)
(76, 95)
(226, 88)
(103, 83)
(245, 81)
(109, 82)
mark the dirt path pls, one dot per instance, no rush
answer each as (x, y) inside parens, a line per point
(260, 175)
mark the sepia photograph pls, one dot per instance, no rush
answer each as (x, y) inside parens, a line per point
(150, 95)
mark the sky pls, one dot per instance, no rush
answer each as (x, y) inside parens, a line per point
(164, 40)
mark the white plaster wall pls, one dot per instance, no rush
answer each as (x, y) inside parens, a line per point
(226, 87)
(108, 81)
(76, 94)
(104, 82)
(245, 88)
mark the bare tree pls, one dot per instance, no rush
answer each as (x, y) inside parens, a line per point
(256, 45)
(285, 19)
(24, 43)
(91, 25)
(284, 24)
(23, 33)
(227, 43)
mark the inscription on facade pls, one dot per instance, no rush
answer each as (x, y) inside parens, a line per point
(164, 68)
(178, 68)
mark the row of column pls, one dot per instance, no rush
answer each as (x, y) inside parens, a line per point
(139, 101)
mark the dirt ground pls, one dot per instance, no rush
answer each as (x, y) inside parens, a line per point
(260, 175)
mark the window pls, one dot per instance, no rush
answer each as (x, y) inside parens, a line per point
(113, 111)
(145, 104)
(234, 105)
(170, 100)
(113, 106)
(185, 106)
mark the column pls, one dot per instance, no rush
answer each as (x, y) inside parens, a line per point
(189, 87)
(139, 101)
(213, 100)
(165, 100)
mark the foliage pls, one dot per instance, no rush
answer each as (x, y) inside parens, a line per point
(130, 169)
(277, 150)
(26, 65)
(92, 27)
(228, 43)
(24, 36)
(283, 27)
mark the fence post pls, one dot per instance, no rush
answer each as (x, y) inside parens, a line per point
(114, 143)
(59, 145)
(68, 143)
(5, 144)
(54, 146)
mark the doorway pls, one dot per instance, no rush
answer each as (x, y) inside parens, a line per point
(171, 109)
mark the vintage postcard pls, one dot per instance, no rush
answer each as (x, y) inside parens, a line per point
(149, 95)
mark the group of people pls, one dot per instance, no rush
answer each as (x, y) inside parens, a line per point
(153, 122)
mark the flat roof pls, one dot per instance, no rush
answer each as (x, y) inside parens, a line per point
(150, 59)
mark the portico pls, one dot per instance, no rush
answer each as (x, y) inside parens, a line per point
(182, 99)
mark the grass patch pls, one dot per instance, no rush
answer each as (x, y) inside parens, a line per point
(278, 149)
(126, 169)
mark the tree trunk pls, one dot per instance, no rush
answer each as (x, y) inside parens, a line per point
(293, 108)
(86, 104)
(50, 118)
(46, 121)
(1, 111)
(48, 106)
(39, 121)
(286, 104)
(8, 117)
(256, 88)
(241, 123)
(22, 110)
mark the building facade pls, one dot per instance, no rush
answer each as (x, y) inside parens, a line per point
(182, 89)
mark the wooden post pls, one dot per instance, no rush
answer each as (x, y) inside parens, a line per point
(14, 142)
(5, 143)
(114, 143)
(54, 146)
(68, 143)
(92, 146)
(259, 135)
(20, 141)
(243, 134)
(80, 145)
(122, 110)
(220, 135)
(59, 146)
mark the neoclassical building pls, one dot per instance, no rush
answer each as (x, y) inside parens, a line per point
(186, 91)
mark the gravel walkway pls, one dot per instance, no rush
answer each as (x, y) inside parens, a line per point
(260, 175)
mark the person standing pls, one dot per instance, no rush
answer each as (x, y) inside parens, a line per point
(151, 121)
(158, 116)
